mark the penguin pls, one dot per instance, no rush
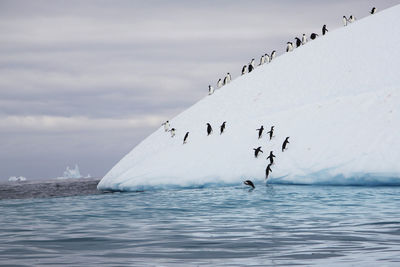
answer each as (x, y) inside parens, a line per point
(219, 83)
(166, 126)
(260, 131)
(244, 69)
(209, 129)
(271, 157)
(351, 19)
(271, 132)
(250, 68)
(298, 41)
(222, 128)
(373, 10)
(285, 143)
(324, 30)
(313, 36)
(225, 82)
(184, 138)
(267, 58)
(303, 39)
(268, 171)
(289, 47)
(256, 151)
(210, 90)
(262, 60)
(172, 132)
(229, 77)
(344, 19)
(273, 54)
(249, 183)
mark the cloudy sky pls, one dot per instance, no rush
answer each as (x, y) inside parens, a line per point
(85, 81)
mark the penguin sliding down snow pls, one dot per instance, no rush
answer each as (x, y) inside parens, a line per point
(166, 126)
(256, 151)
(249, 183)
(344, 19)
(313, 36)
(222, 128)
(244, 69)
(184, 138)
(298, 42)
(210, 90)
(260, 131)
(324, 30)
(289, 47)
(172, 132)
(271, 157)
(303, 39)
(285, 143)
(219, 83)
(271, 132)
(209, 129)
(268, 171)
(373, 10)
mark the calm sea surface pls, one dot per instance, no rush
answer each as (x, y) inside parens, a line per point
(225, 226)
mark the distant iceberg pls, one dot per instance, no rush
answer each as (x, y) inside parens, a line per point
(337, 97)
(74, 173)
(17, 179)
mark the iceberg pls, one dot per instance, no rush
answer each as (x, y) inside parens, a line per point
(337, 97)
(17, 179)
(72, 173)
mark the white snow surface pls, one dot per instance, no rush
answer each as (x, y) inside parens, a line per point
(337, 97)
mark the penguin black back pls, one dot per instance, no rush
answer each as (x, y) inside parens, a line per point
(324, 30)
(313, 36)
(222, 128)
(260, 131)
(185, 138)
(285, 143)
(249, 183)
(209, 129)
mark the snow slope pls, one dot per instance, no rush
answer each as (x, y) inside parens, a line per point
(337, 97)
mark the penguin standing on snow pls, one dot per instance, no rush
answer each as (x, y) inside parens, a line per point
(324, 30)
(244, 69)
(344, 19)
(313, 36)
(352, 19)
(166, 126)
(273, 54)
(256, 151)
(271, 157)
(285, 143)
(298, 42)
(262, 60)
(209, 129)
(172, 132)
(373, 10)
(229, 77)
(249, 183)
(185, 138)
(260, 131)
(210, 90)
(267, 58)
(271, 132)
(289, 47)
(251, 66)
(222, 128)
(268, 171)
(303, 39)
(219, 83)
(225, 80)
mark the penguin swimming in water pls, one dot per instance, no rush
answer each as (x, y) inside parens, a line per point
(184, 138)
(209, 129)
(244, 69)
(268, 171)
(285, 143)
(256, 151)
(271, 132)
(351, 19)
(222, 128)
(344, 19)
(373, 10)
(313, 36)
(166, 126)
(172, 132)
(273, 54)
(260, 131)
(271, 157)
(267, 58)
(298, 42)
(210, 90)
(249, 183)
(303, 39)
(324, 30)
(289, 47)
(219, 83)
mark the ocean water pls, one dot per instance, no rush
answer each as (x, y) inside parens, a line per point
(217, 226)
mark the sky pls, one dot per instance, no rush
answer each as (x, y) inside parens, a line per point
(84, 82)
